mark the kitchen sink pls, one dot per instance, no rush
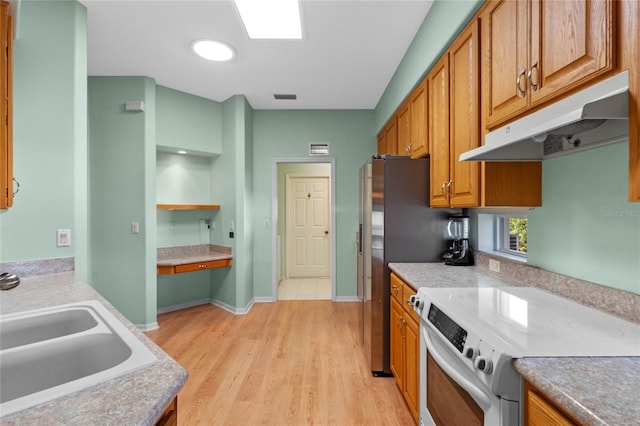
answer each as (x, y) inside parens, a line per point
(39, 327)
(51, 352)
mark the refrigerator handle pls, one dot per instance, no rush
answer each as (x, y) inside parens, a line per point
(360, 237)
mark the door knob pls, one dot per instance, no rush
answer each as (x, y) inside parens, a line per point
(326, 232)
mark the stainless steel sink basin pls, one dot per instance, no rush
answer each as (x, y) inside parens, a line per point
(48, 353)
(39, 327)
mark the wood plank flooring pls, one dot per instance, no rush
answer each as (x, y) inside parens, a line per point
(284, 363)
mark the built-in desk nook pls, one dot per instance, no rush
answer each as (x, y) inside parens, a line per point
(176, 260)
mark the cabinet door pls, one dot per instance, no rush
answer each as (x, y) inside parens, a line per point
(391, 138)
(465, 117)
(397, 342)
(418, 110)
(438, 130)
(6, 138)
(539, 412)
(404, 130)
(572, 41)
(412, 365)
(505, 38)
(382, 142)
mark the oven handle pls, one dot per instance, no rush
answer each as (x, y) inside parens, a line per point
(476, 393)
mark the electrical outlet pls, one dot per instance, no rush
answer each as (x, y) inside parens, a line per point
(231, 234)
(135, 227)
(494, 265)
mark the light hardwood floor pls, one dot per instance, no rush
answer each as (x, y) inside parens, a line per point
(284, 363)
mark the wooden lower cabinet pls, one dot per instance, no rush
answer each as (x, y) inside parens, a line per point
(539, 411)
(170, 415)
(405, 344)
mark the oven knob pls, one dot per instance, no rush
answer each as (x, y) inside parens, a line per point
(484, 365)
(471, 352)
(416, 302)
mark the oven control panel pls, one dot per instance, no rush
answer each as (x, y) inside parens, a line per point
(449, 329)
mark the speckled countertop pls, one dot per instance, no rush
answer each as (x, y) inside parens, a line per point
(182, 255)
(595, 391)
(137, 398)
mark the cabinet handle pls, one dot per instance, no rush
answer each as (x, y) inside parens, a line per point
(534, 87)
(443, 193)
(407, 148)
(518, 88)
(449, 189)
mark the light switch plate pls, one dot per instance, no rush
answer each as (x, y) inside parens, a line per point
(63, 237)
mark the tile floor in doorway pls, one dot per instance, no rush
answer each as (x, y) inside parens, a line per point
(304, 289)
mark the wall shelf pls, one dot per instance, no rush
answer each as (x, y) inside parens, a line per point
(189, 206)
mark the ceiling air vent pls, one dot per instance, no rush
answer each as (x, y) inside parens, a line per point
(318, 149)
(286, 97)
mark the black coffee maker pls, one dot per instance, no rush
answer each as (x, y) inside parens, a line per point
(460, 252)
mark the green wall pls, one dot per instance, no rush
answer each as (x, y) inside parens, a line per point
(50, 131)
(586, 228)
(188, 122)
(287, 134)
(122, 190)
(445, 20)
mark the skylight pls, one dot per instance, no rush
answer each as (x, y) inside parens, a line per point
(270, 19)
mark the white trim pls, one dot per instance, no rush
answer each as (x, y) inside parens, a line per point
(347, 299)
(233, 309)
(274, 218)
(148, 327)
(264, 299)
(180, 306)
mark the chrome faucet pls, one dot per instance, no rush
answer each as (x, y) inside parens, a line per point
(8, 281)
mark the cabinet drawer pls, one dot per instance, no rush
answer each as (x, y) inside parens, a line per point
(396, 285)
(202, 265)
(407, 292)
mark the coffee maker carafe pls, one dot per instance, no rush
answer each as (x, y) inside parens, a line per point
(460, 252)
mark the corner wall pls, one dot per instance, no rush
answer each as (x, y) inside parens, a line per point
(122, 190)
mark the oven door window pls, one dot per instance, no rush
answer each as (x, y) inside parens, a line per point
(447, 402)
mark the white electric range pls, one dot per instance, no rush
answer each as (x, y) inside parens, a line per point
(473, 334)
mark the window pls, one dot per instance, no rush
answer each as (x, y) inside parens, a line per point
(511, 234)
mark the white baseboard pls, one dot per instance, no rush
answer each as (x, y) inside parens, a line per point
(347, 299)
(264, 299)
(147, 327)
(233, 309)
(185, 305)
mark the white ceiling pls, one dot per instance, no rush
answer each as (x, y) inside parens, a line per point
(348, 55)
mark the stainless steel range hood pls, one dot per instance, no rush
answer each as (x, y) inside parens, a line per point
(593, 117)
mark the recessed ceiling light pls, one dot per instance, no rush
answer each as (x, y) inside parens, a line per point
(213, 50)
(182, 151)
(273, 19)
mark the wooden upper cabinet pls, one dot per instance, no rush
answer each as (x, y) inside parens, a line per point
(571, 42)
(6, 137)
(454, 123)
(438, 131)
(537, 50)
(404, 129)
(418, 110)
(505, 57)
(388, 138)
(464, 111)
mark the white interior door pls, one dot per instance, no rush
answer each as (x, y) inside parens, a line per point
(307, 226)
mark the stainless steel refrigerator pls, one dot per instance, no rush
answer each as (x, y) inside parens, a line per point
(396, 225)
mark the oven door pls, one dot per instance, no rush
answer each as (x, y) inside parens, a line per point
(451, 394)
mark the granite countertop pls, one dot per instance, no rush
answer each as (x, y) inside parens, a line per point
(183, 255)
(440, 275)
(595, 391)
(137, 398)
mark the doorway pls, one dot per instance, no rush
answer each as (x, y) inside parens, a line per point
(303, 241)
